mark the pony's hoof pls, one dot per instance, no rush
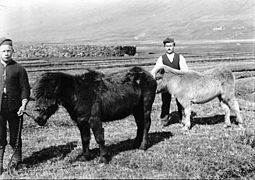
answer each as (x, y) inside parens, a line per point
(19, 165)
(226, 126)
(193, 114)
(165, 121)
(104, 159)
(143, 147)
(83, 158)
(241, 127)
(185, 128)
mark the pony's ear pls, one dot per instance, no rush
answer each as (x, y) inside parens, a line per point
(160, 73)
(161, 70)
(139, 77)
(134, 77)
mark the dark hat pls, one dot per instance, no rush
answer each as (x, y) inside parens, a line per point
(5, 41)
(168, 40)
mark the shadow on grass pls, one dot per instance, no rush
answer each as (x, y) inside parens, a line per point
(127, 145)
(49, 153)
(153, 138)
(210, 120)
(62, 150)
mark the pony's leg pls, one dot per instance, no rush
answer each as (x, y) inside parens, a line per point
(146, 127)
(187, 112)
(186, 120)
(98, 130)
(139, 119)
(165, 108)
(225, 107)
(84, 128)
(180, 109)
(142, 116)
(233, 104)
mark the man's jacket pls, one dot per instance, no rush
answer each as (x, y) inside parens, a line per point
(16, 83)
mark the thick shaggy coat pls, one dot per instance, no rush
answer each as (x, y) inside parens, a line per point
(93, 98)
(194, 87)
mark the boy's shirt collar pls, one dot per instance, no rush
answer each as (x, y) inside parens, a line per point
(5, 63)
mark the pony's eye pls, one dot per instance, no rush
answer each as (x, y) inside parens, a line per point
(48, 95)
(38, 109)
(158, 78)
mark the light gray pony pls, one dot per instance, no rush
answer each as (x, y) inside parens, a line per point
(192, 87)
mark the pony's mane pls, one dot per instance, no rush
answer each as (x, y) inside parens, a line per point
(89, 76)
(120, 73)
(176, 72)
(48, 81)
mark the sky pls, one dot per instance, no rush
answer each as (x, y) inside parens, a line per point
(20, 13)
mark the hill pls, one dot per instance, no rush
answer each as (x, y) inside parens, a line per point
(132, 21)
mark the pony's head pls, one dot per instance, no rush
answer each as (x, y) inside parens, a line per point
(161, 84)
(47, 91)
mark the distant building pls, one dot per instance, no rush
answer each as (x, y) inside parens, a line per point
(219, 28)
(238, 28)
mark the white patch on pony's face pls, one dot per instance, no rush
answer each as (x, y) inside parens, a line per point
(44, 117)
(161, 86)
(160, 81)
(75, 97)
(158, 77)
(138, 81)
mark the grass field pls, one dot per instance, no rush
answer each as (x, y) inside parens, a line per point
(207, 151)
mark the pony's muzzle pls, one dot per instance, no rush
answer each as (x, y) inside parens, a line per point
(40, 121)
(160, 90)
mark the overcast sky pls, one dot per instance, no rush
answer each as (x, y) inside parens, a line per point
(22, 11)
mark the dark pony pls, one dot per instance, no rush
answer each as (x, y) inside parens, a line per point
(93, 97)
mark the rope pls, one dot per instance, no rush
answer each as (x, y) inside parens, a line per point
(29, 115)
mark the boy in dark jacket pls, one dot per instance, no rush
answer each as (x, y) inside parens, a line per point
(14, 95)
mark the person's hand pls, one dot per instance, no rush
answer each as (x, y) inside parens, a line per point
(22, 107)
(21, 110)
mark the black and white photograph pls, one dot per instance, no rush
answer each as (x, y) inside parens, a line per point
(127, 89)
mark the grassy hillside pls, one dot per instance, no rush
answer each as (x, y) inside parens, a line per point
(207, 151)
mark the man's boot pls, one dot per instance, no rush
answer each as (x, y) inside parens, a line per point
(2, 149)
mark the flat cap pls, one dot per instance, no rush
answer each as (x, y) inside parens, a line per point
(168, 40)
(5, 41)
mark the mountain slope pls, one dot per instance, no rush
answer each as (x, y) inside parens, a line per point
(129, 21)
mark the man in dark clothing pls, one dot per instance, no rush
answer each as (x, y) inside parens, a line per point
(173, 60)
(14, 95)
